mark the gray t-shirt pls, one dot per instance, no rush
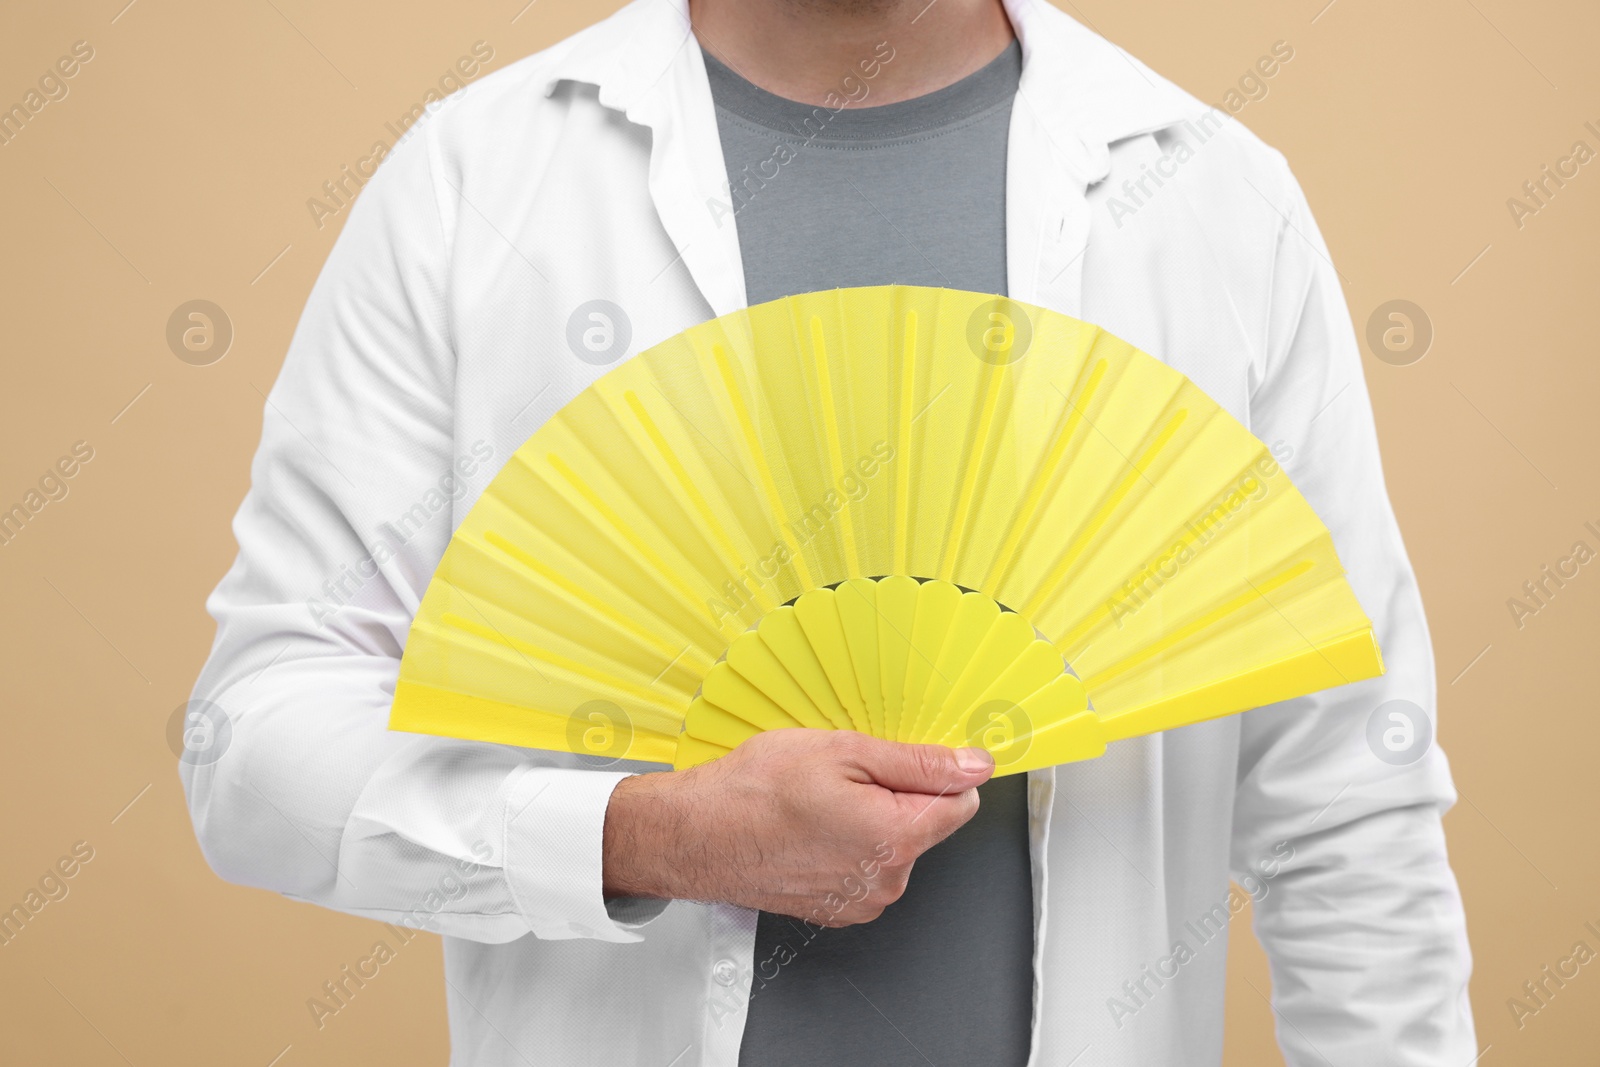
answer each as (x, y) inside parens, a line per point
(912, 193)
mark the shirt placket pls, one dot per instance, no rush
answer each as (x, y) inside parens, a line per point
(729, 971)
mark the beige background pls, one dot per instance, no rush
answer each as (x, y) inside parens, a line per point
(178, 167)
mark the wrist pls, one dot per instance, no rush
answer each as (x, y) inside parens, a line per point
(636, 840)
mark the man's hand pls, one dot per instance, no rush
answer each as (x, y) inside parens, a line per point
(823, 825)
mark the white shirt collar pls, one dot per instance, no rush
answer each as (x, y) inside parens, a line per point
(1083, 87)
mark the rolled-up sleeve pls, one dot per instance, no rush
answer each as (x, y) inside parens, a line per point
(303, 789)
(1363, 924)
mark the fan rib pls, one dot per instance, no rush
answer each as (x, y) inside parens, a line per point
(1257, 594)
(1196, 412)
(1050, 585)
(783, 635)
(640, 545)
(897, 605)
(970, 684)
(728, 690)
(1032, 692)
(818, 613)
(974, 618)
(730, 554)
(902, 484)
(1072, 418)
(1269, 683)
(693, 751)
(858, 617)
(937, 604)
(428, 709)
(830, 422)
(573, 589)
(754, 660)
(1192, 532)
(555, 659)
(977, 452)
(758, 457)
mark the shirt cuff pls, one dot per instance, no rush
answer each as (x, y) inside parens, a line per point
(555, 821)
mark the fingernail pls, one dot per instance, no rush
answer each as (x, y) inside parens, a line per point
(973, 760)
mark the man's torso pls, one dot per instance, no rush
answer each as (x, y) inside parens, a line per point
(551, 204)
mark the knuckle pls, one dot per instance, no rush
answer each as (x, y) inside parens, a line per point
(847, 744)
(890, 885)
(887, 817)
(930, 760)
(842, 746)
(897, 863)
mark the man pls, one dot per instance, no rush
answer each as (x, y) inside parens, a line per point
(674, 163)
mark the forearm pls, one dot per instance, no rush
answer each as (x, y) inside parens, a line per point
(1367, 940)
(311, 795)
(302, 802)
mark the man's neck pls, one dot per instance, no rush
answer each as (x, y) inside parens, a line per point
(868, 52)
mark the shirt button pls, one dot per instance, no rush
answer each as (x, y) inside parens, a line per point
(724, 972)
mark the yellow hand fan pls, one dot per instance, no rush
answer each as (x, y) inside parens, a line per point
(924, 514)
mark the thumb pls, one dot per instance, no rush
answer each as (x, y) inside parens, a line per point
(908, 768)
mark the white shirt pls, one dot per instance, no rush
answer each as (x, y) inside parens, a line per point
(436, 341)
